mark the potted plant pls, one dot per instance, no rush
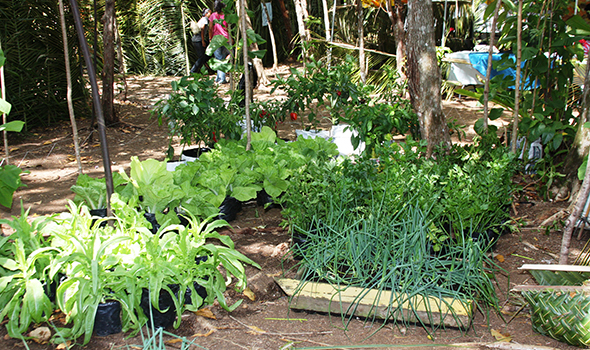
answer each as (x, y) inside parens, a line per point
(195, 112)
(94, 273)
(154, 190)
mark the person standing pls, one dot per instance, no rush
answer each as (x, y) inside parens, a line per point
(219, 27)
(200, 40)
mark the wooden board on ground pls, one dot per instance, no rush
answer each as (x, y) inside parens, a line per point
(382, 304)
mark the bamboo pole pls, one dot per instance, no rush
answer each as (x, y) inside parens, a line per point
(69, 86)
(517, 79)
(486, 90)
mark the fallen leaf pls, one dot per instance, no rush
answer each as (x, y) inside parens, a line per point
(65, 345)
(500, 258)
(40, 335)
(96, 145)
(501, 337)
(173, 341)
(14, 149)
(205, 312)
(249, 293)
(126, 131)
(204, 334)
(46, 143)
(256, 329)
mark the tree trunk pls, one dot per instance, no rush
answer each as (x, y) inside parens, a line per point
(69, 86)
(362, 63)
(108, 72)
(275, 60)
(326, 20)
(424, 75)
(248, 84)
(302, 31)
(4, 119)
(582, 197)
(287, 22)
(486, 89)
(517, 79)
(257, 62)
(397, 25)
(184, 40)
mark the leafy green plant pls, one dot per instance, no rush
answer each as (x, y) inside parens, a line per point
(195, 112)
(319, 87)
(90, 270)
(155, 186)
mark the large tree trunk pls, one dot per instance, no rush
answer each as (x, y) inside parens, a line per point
(287, 22)
(424, 75)
(108, 72)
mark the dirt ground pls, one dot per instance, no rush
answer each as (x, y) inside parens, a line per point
(267, 322)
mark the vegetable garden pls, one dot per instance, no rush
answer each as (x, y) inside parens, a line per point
(397, 228)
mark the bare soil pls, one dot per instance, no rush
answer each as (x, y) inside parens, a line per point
(267, 322)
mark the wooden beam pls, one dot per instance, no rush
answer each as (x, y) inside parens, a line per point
(383, 304)
(547, 267)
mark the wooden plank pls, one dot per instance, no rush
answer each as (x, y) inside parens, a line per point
(547, 267)
(362, 302)
(523, 288)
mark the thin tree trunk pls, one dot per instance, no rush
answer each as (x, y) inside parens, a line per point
(486, 89)
(257, 62)
(275, 60)
(332, 34)
(69, 86)
(302, 34)
(187, 63)
(517, 79)
(326, 20)
(570, 224)
(400, 42)
(4, 120)
(287, 21)
(247, 81)
(424, 75)
(108, 72)
(362, 63)
(121, 59)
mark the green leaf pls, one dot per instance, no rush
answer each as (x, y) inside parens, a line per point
(5, 108)
(495, 113)
(257, 54)
(579, 25)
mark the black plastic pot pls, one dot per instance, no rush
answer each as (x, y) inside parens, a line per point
(229, 209)
(100, 213)
(166, 303)
(51, 288)
(192, 154)
(264, 200)
(108, 318)
(151, 218)
(201, 291)
(299, 246)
